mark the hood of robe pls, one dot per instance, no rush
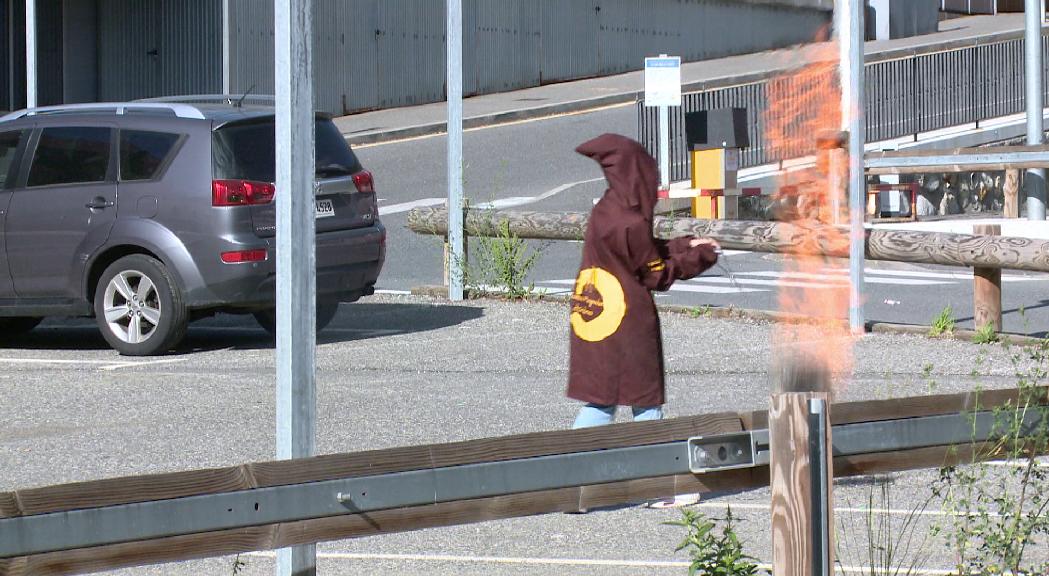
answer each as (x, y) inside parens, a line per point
(631, 172)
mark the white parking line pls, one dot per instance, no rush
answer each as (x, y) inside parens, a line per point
(406, 206)
(562, 561)
(108, 365)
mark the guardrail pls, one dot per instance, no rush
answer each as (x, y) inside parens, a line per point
(907, 93)
(120, 522)
(986, 254)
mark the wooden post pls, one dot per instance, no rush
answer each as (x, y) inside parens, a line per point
(795, 544)
(1011, 190)
(987, 287)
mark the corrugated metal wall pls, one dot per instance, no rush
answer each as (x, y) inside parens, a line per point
(5, 56)
(384, 53)
(152, 48)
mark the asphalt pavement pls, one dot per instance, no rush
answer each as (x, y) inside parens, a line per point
(401, 370)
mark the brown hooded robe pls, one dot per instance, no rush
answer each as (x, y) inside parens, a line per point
(616, 351)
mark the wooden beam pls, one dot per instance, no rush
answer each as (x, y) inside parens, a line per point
(1011, 191)
(179, 484)
(775, 237)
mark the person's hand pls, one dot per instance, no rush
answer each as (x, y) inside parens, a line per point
(705, 242)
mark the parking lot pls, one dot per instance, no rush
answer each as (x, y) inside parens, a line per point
(402, 370)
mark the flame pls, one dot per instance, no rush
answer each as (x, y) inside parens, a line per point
(804, 119)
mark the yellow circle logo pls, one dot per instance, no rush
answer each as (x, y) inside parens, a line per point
(598, 305)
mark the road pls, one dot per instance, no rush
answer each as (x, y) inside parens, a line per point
(533, 165)
(400, 370)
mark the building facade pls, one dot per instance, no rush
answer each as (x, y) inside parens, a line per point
(372, 54)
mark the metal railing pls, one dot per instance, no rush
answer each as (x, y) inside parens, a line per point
(904, 96)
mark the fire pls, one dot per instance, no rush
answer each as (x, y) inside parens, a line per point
(804, 120)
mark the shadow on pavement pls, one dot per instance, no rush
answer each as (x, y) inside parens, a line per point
(357, 321)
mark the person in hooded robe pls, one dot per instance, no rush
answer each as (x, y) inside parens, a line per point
(616, 349)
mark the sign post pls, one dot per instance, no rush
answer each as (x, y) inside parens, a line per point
(663, 89)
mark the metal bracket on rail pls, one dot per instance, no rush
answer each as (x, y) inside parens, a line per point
(728, 451)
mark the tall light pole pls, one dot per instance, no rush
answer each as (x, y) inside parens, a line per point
(30, 54)
(848, 24)
(454, 80)
(296, 254)
(1034, 180)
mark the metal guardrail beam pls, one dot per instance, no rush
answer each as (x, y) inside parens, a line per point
(75, 529)
(959, 160)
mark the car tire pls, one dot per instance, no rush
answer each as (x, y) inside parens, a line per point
(326, 311)
(17, 326)
(139, 308)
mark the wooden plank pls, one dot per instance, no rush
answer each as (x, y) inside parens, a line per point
(789, 470)
(1011, 191)
(775, 237)
(176, 548)
(912, 407)
(492, 449)
(126, 490)
(9, 505)
(387, 521)
(142, 488)
(596, 438)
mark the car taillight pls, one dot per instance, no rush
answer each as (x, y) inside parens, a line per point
(241, 192)
(364, 182)
(240, 256)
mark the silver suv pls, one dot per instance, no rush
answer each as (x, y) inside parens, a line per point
(150, 215)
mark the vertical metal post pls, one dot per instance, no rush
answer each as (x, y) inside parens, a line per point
(30, 54)
(849, 22)
(296, 255)
(226, 46)
(454, 79)
(664, 147)
(818, 445)
(1034, 182)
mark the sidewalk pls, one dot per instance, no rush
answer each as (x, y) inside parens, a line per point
(623, 89)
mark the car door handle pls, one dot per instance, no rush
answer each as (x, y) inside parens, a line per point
(98, 203)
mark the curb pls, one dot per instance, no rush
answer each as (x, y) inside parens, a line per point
(770, 316)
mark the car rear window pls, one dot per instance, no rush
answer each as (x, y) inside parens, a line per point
(247, 151)
(8, 149)
(71, 155)
(143, 153)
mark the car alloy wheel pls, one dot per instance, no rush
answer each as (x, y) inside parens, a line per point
(139, 307)
(132, 307)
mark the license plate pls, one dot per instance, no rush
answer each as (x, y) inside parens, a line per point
(325, 208)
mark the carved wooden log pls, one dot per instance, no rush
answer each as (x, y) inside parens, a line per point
(780, 237)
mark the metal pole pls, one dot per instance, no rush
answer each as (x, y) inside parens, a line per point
(296, 255)
(849, 18)
(30, 54)
(454, 79)
(226, 88)
(664, 147)
(1034, 181)
(857, 180)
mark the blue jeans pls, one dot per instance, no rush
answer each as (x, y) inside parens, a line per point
(598, 415)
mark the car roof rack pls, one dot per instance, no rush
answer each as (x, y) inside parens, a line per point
(231, 99)
(119, 108)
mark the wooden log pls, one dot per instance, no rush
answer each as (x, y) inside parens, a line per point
(1011, 191)
(987, 287)
(967, 250)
